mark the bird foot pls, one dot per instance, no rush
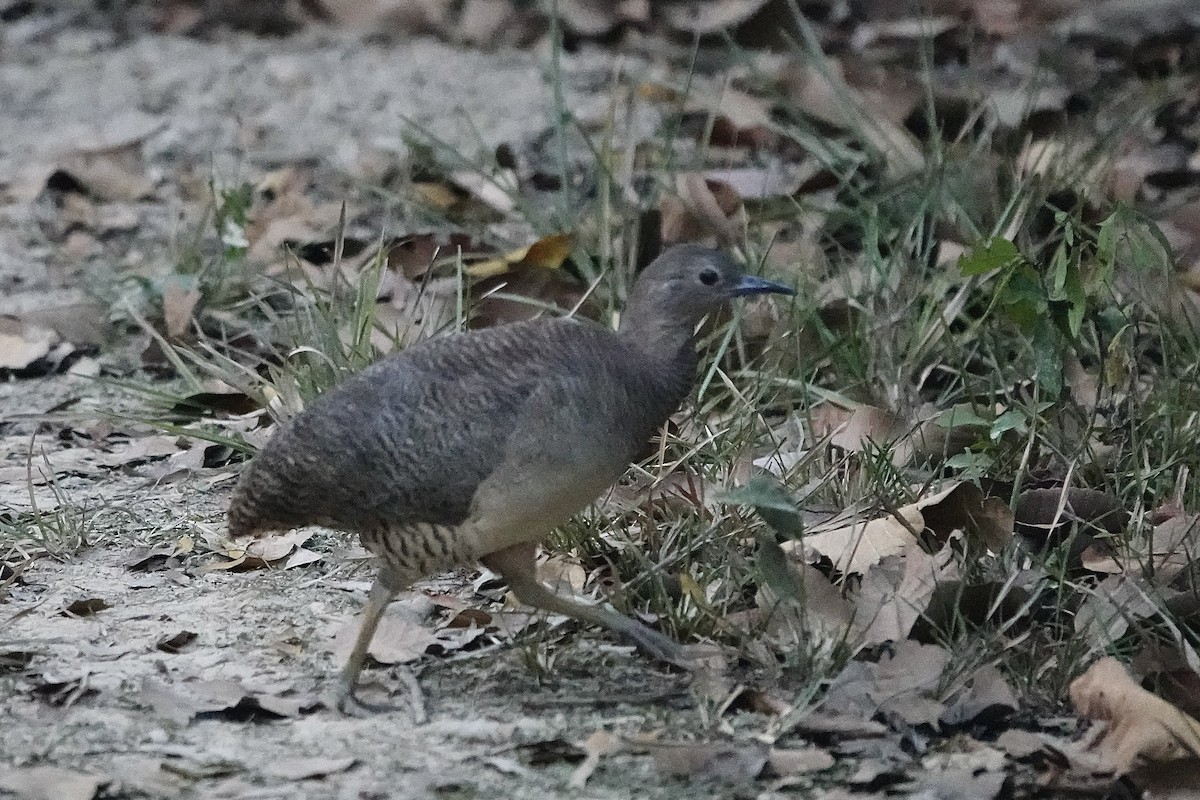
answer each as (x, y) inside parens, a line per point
(693, 658)
(349, 703)
(659, 647)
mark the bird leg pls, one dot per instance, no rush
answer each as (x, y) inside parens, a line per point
(387, 584)
(517, 566)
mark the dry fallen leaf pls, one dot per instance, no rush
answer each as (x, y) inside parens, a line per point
(85, 607)
(702, 17)
(106, 177)
(796, 761)
(822, 615)
(962, 507)
(699, 208)
(179, 303)
(890, 601)
(699, 760)
(49, 783)
(21, 345)
(227, 698)
(823, 92)
(267, 551)
(301, 769)
(861, 544)
(1141, 725)
(548, 252)
(398, 640)
(1048, 518)
(989, 695)
(903, 682)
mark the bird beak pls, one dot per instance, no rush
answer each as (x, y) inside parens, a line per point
(749, 284)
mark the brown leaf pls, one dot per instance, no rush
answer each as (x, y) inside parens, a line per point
(261, 552)
(21, 345)
(83, 323)
(302, 769)
(588, 17)
(85, 607)
(1047, 518)
(525, 294)
(822, 92)
(398, 640)
(854, 430)
(418, 254)
(861, 544)
(824, 615)
(756, 183)
(218, 698)
(497, 191)
(890, 601)
(1020, 744)
(1141, 725)
(962, 507)
(175, 642)
(903, 682)
(562, 574)
(548, 252)
(108, 178)
(705, 17)
(735, 761)
(1174, 780)
(179, 302)
(783, 762)
(842, 726)
(702, 206)
(989, 694)
(1176, 546)
(302, 556)
(958, 782)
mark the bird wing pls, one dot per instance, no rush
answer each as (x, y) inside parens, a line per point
(412, 438)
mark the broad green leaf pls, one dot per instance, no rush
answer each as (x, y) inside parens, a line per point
(969, 460)
(994, 254)
(1046, 357)
(772, 501)
(1007, 421)
(775, 505)
(960, 416)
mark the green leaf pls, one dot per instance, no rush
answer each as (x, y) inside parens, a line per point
(995, 253)
(969, 460)
(773, 502)
(1024, 299)
(1047, 357)
(960, 416)
(1007, 421)
(775, 505)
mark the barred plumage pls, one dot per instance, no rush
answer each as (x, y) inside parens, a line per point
(476, 445)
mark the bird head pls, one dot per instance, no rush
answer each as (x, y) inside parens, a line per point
(688, 282)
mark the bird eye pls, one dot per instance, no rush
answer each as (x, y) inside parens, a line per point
(709, 277)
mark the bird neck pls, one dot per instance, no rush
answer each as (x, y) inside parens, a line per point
(668, 347)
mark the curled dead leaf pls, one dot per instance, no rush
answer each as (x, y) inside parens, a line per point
(1141, 725)
(548, 252)
(1048, 518)
(22, 345)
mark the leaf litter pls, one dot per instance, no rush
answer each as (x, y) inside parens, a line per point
(874, 574)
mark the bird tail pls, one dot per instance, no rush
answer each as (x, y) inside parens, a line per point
(242, 519)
